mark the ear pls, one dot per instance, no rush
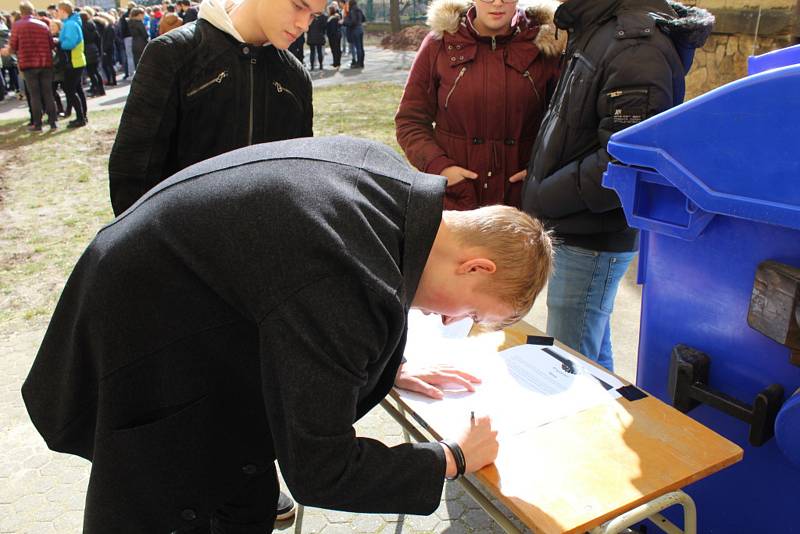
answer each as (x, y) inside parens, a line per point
(477, 265)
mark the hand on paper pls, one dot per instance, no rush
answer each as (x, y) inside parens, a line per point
(429, 381)
(479, 443)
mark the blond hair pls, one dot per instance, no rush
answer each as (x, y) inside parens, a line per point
(66, 5)
(26, 8)
(519, 246)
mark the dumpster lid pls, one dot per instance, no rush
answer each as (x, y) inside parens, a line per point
(733, 151)
(773, 60)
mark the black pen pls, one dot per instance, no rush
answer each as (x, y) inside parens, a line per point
(472, 418)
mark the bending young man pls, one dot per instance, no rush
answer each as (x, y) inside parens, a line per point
(253, 307)
(214, 85)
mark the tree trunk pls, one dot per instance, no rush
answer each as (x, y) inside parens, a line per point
(394, 15)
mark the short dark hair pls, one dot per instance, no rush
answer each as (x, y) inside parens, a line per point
(184, 3)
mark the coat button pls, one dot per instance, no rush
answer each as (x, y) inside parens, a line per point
(245, 50)
(449, 47)
(189, 514)
(461, 58)
(458, 47)
(486, 186)
(453, 58)
(249, 469)
(489, 174)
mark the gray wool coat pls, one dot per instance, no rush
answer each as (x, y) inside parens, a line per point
(251, 307)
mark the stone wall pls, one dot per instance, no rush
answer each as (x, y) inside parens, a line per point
(724, 59)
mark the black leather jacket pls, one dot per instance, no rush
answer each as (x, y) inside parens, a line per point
(198, 93)
(625, 61)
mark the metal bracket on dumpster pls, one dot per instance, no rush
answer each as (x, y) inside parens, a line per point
(775, 305)
(688, 385)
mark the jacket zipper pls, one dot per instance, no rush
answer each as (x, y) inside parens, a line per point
(494, 43)
(455, 83)
(615, 94)
(527, 74)
(250, 127)
(217, 79)
(282, 89)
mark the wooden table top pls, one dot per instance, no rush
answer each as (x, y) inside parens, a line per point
(577, 472)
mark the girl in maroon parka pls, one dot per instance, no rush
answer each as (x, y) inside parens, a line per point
(476, 94)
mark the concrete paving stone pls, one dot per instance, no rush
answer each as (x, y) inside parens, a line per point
(40, 528)
(449, 510)
(73, 475)
(425, 523)
(67, 498)
(455, 527)
(339, 528)
(36, 507)
(314, 521)
(36, 461)
(11, 523)
(478, 520)
(69, 522)
(335, 516)
(367, 523)
(453, 491)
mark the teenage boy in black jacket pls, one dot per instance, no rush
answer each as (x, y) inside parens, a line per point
(209, 87)
(625, 61)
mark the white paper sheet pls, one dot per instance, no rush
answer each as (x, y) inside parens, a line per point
(522, 387)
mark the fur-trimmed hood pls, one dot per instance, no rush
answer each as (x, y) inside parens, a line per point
(446, 16)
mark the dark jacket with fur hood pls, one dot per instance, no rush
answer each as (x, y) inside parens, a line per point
(486, 97)
(626, 61)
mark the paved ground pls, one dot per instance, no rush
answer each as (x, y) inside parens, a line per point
(43, 492)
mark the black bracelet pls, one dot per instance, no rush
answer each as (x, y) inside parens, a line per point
(458, 456)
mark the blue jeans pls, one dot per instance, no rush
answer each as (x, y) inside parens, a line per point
(357, 45)
(580, 299)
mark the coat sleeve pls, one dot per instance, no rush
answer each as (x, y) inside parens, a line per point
(315, 351)
(417, 111)
(138, 157)
(637, 85)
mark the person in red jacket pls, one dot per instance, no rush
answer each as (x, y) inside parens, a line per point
(476, 94)
(32, 43)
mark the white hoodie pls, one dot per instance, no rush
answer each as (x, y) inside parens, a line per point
(216, 12)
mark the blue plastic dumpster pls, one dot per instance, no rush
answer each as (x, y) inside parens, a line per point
(714, 185)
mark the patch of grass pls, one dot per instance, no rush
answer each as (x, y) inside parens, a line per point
(54, 192)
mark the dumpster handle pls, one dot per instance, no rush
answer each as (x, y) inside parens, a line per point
(688, 385)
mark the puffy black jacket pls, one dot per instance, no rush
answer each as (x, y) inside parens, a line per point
(91, 42)
(626, 60)
(199, 93)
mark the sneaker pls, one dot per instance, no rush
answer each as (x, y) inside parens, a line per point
(34, 128)
(77, 123)
(53, 126)
(286, 507)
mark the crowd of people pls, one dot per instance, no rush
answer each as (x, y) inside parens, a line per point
(343, 27)
(66, 49)
(233, 282)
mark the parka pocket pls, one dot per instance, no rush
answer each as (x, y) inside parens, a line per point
(628, 106)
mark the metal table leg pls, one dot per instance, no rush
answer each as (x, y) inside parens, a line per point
(651, 511)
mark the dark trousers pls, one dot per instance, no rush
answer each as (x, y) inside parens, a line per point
(336, 49)
(316, 50)
(39, 83)
(253, 509)
(108, 68)
(357, 42)
(72, 88)
(57, 97)
(95, 80)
